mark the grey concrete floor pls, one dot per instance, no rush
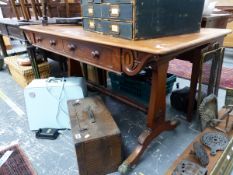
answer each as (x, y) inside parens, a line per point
(57, 157)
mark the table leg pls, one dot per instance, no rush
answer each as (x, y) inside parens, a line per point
(155, 118)
(218, 78)
(74, 68)
(102, 74)
(85, 71)
(193, 88)
(32, 56)
(3, 46)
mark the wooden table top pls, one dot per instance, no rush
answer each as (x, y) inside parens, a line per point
(218, 15)
(16, 22)
(158, 46)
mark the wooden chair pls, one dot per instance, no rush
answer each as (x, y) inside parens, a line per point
(66, 8)
(24, 8)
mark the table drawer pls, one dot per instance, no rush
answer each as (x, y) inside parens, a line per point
(118, 29)
(117, 11)
(91, 10)
(3, 29)
(49, 42)
(93, 25)
(101, 56)
(108, 11)
(15, 32)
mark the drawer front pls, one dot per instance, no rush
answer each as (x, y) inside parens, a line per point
(117, 11)
(104, 56)
(30, 37)
(92, 25)
(91, 10)
(15, 32)
(48, 42)
(101, 56)
(118, 29)
(70, 47)
(3, 29)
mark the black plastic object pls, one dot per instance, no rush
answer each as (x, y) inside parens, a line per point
(47, 133)
(180, 99)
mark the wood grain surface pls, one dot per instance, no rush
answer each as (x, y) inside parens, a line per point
(164, 45)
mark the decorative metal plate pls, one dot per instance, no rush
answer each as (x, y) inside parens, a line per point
(201, 153)
(208, 111)
(216, 141)
(187, 167)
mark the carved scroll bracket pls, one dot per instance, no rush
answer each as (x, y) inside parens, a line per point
(133, 62)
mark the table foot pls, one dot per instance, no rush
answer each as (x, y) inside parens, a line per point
(143, 141)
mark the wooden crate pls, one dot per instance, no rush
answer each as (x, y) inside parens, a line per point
(23, 75)
(228, 41)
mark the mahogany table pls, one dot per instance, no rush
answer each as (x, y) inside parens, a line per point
(129, 57)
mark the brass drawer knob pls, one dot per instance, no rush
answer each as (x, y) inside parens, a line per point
(95, 54)
(52, 42)
(38, 39)
(71, 47)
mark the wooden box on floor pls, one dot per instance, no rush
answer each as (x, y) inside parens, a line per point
(228, 41)
(96, 137)
(23, 75)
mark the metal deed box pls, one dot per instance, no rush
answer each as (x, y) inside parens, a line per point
(142, 19)
(46, 101)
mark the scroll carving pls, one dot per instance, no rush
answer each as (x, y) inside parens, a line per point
(133, 62)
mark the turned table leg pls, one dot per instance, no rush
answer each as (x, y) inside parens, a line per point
(74, 68)
(32, 55)
(3, 46)
(155, 118)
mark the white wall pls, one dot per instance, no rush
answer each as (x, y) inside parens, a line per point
(224, 2)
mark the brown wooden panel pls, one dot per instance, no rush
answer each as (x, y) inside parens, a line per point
(30, 37)
(228, 42)
(15, 32)
(103, 56)
(98, 147)
(48, 41)
(165, 45)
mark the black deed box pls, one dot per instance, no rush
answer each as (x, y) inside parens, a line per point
(143, 18)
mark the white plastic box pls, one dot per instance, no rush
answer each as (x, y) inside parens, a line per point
(46, 101)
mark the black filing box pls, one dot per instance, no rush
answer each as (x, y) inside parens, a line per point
(142, 19)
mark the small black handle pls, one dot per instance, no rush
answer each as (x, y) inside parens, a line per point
(39, 39)
(52, 42)
(71, 47)
(95, 54)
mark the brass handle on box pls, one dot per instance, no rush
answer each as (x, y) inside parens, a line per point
(114, 11)
(95, 54)
(52, 42)
(71, 47)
